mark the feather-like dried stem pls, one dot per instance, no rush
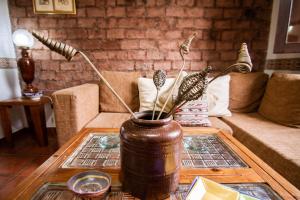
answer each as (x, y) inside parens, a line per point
(184, 49)
(107, 83)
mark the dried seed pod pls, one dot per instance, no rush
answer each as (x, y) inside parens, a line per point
(192, 86)
(244, 60)
(185, 47)
(63, 49)
(159, 78)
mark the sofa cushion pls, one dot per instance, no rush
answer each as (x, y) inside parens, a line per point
(125, 84)
(276, 144)
(115, 120)
(108, 120)
(281, 102)
(246, 91)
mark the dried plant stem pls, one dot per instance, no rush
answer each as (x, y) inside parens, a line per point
(107, 84)
(172, 90)
(155, 104)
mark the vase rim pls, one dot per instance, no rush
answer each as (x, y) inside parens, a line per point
(140, 115)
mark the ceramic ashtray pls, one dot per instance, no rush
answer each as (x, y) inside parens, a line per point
(90, 184)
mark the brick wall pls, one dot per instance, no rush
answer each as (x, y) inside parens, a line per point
(144, 35)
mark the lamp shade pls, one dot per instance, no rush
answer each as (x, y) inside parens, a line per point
(22, 38)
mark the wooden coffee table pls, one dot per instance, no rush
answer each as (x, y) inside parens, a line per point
(81, 153)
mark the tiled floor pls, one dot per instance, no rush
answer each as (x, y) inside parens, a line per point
(18, 162)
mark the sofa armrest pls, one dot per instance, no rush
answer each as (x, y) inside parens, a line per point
(73, 108)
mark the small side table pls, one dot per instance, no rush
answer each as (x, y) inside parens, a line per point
(35, 113)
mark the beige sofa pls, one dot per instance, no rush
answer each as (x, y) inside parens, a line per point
(92, 105)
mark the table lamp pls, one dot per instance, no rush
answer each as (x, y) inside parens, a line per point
(24, 41)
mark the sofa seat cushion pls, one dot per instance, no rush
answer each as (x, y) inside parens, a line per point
(108, 120)
(276, 144)
(115, 120)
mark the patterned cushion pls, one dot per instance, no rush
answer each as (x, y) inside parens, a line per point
(194, 113)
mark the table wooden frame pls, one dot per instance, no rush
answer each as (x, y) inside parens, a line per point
(35, 113)
(258, 171)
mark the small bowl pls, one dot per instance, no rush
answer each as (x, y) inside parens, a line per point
(90, 184)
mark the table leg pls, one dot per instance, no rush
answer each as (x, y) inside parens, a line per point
(6, 124)
(39, 123)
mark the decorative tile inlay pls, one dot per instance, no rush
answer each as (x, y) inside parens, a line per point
(59, 191)
(204, 151)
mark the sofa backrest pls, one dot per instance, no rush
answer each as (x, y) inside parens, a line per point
(125, 84)
(246, 91)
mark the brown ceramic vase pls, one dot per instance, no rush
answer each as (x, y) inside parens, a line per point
(150, 156)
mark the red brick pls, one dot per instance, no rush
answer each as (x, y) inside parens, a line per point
(47, 75)
(185, 23)
(194, 55)
(128, 23)
(233, 13)
(116, 12)
(173, 34)
(167, 44)
(229, 35)
(119, 55)
(165, 2)
(203, 23)
(164, 65)
(135, 34)
(41, 54)
(154, 33)
(95, 12)
(50, 65)
(111, 2)
(87, 22)
(143, 66)
(81, 12)
(175, 11)
(96, 33)
(154, 55)
(17, 12)
(121, 65)
(99, 55)
(129, 44)
(86, 3)
(156, 12)
(147, 23)
(136, 55)
(100, 3)
(228, 55)
(77, 33)
(47, 23)
(89, 44)
(213, 13)
(57, 34)
(21, 3)
(70, 66)
(222, 24)
(241, 24)
(108, 44)
(224, 45)
(147, 44)
(261, 45)
(204, 45)
(135, 12)
(194, 12)
(115, 33)
(56, 56)
(205, 3)
(226, 3)
(28, 23)
(210, 55)
(185, 2)
(102, 23)
(173, 55)
(67, 23)
(198, 65)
